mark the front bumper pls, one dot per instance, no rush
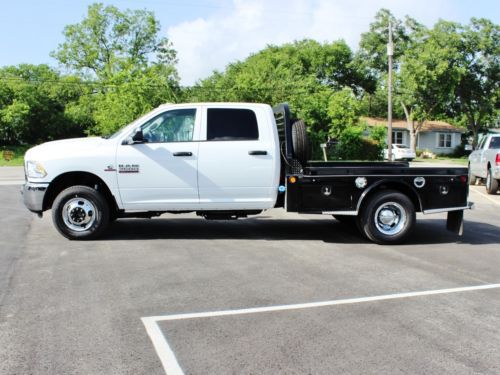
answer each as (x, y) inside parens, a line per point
(33, 195)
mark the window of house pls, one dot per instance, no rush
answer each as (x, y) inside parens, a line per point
(231, 124)
(444, 140)
(397, 137)
(171, 126)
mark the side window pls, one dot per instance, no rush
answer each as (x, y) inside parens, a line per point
(171, 126)
(231, 124)
(495, 142)
(481, 143)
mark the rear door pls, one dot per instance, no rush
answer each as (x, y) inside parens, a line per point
(238, 165)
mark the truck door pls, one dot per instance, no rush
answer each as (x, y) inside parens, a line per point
(475, 159)
(238, 165)
(161, 172)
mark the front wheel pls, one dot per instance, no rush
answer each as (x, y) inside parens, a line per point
(491, 183)
(80, 213)
(472, 178)
(388, 218)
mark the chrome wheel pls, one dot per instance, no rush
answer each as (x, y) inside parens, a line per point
(390, 218)
(79, 214)
(488, 181)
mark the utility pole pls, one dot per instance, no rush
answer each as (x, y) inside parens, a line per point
(390, 52)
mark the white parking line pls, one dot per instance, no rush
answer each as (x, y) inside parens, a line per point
(172, 367)
(485, 196)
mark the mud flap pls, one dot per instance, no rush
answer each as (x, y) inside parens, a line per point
(455, 222)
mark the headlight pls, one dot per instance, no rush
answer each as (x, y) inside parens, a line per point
(35, 170)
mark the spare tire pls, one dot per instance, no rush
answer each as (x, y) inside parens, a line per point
(300, 142)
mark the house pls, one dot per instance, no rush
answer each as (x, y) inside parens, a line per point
(436, 136)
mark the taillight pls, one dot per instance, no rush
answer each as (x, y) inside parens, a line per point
(463, 179)
(497, 160)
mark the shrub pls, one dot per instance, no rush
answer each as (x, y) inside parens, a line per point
(353, 146)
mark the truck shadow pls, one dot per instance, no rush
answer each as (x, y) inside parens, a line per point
(262, 228)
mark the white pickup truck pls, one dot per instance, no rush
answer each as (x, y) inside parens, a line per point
(484, 162)
(226, 161)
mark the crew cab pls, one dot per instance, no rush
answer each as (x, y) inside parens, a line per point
(228, 161)
(484, 162)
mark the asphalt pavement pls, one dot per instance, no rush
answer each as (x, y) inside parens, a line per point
(70, 307)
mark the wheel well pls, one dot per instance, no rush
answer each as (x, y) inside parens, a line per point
(66, 180)
(392, 185)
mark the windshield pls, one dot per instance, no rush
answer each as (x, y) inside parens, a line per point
(120, 131)
(400, 146)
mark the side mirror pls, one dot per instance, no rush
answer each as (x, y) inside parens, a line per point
(138, 137)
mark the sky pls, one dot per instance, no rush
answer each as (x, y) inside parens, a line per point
(209, 34)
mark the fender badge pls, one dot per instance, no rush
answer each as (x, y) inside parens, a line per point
(110, 168)
(128, 168)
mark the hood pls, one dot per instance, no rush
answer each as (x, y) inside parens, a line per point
(63, 148)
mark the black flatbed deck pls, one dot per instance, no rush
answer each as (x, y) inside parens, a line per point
(318, 168)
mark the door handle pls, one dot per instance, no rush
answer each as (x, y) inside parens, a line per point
(183, 153)
(257, 152)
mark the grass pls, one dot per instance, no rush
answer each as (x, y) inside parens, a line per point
(17, 160)
(461, 161)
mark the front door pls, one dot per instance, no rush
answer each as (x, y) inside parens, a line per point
(161, 173)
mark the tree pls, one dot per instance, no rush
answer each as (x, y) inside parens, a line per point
(372, 54)
(109, 40)
(304, 73)
(478, 91)
(429, 74)
(33, 103)
(131, 69)
(343, 109)
(127, 96)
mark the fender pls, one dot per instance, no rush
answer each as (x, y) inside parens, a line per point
(394, 184)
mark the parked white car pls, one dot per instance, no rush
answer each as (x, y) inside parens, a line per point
(484, 163)
(400, 152)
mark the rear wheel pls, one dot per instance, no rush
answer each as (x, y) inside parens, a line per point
(388, 218)
(491, 183)
(80, 213)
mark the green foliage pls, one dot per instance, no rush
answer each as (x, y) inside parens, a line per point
(343, 110)
(305, 74)
(354, 145)
(33, 104)
(108, 41)
(18, 157)
(129, 95)
(115, 49)
(379, 135)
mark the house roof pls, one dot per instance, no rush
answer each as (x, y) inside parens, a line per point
(429, 126)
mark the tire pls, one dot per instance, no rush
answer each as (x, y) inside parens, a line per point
(80, 213)
(388, 217)
(472, 178)
(491, 183)
(300, 142)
